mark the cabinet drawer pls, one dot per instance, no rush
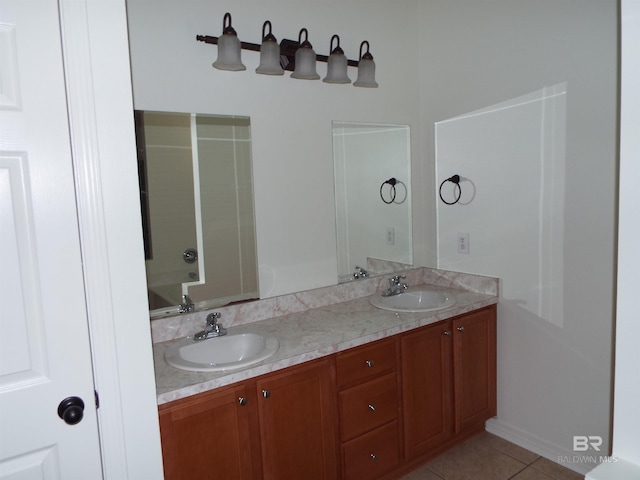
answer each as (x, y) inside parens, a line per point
(367, 362)
(367, 406)
(372, 454)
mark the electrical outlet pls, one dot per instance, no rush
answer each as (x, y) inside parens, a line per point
(391, 236)
(463, 242)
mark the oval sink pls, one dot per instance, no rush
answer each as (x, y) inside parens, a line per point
(221, 353)
(413, 301)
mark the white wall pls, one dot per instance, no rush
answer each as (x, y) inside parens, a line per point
(511, 159)
(626, 416)
(554, 371)
(290, 119)
(626, 425)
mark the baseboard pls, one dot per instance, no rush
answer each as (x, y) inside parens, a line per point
(550, 451)
(620, 470)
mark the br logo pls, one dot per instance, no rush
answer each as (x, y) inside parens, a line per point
(582, 443)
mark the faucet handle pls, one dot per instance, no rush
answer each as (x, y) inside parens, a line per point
(187, 305)
(395, 280)
(360, 272)
(212, 319)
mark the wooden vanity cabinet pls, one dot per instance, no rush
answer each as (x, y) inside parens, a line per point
(278, 426)
(298, 422)
(427, 388)
(474, 368)
(385, 407)
(368, 403)
(209, 436)
(448, 380)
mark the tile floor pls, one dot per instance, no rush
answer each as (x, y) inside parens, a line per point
(487, 457)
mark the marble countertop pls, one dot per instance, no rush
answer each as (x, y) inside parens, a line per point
(308, 335)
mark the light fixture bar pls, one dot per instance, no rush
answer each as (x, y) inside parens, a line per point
(287, 49)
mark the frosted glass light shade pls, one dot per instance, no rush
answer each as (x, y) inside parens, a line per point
(270, 59)
(305, 60)
(228, 48)
(366, 69)
(305, 64)
(229, 54)
(366, 74)
(269, 53)
(337, 64)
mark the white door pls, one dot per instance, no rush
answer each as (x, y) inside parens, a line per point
(45, 353)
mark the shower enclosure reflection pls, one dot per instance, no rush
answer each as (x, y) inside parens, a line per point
(198, 209)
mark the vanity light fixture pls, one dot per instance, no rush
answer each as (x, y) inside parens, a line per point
(337, 64)
(305, 59)
(366, 69)
(228, 48)
(269, 53)
(298, 57)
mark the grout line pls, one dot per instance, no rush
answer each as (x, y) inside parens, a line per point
(519, 471)
(526, 464)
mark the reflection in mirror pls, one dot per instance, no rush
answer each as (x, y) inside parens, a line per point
(372, 167)
(198, 210)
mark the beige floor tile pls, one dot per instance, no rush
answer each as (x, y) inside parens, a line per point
(488, 457)
(422, 473)
(531, 474)
(476, 460)
(508, 448)
(555, 471)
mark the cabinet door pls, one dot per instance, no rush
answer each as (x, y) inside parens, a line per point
(426, 388)
(474, 344)
(298, 423)
(207, 436)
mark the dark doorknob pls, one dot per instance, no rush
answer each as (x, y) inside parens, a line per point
(71, 410)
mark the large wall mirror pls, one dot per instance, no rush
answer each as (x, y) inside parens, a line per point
(372, 167)
(198, 209)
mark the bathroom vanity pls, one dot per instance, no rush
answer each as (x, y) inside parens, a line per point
(354, 392)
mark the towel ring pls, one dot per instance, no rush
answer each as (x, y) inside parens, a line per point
(456, 180)
(392, 190)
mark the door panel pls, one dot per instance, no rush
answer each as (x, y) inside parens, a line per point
(44, 341)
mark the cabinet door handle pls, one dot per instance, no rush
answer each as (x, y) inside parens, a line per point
(447, 333)
(266, 393)
(374, 457)
(460, 329)
(369, 363)
(242, 401)
(372, 407)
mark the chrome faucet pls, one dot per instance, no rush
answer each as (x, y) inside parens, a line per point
(396, 287)
(211, 329)
(187, 305)
(360, 273)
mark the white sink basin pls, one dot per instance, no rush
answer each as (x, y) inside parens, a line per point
(418, 300)
(221, 353)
